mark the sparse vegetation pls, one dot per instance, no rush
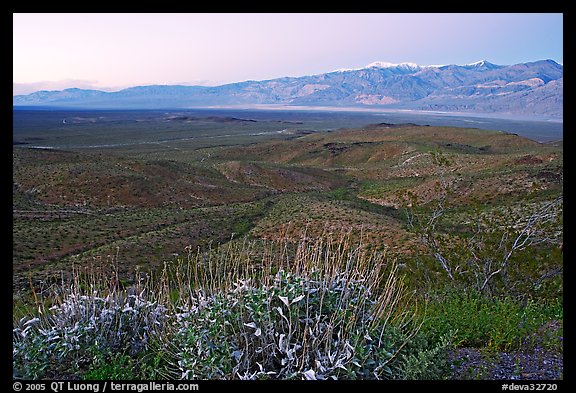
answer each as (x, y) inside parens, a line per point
(219, 252)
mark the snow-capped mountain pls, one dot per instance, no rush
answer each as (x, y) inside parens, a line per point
(482, 65)
(534, 88)
(385, 64)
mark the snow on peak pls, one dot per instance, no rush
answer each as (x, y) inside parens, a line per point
(478, 63)
(482, 64)
(385, 64)
(413, 67)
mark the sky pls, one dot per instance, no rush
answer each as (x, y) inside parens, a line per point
(53, 51)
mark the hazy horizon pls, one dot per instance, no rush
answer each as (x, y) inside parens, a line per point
(115, 51)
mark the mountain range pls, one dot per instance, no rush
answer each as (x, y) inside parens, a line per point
(527, 89)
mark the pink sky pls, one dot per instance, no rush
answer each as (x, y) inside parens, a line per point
(113, 51)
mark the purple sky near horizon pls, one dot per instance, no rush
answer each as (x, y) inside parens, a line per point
(115, 51)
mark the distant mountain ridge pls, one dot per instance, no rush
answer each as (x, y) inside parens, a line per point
(530, 89)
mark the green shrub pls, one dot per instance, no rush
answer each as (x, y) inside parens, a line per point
(482, 321)
(426, 359)
(113, 367)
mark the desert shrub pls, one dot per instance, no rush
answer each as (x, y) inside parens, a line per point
(297, 327)
(328, 310)
(85, 323)
(339, 313)
(425, 357)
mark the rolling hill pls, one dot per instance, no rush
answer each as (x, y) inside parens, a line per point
(153, 200)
